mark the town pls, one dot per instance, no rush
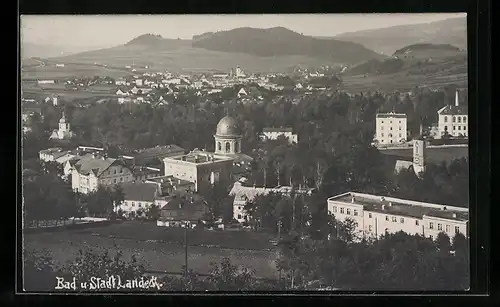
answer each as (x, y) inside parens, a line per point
(283, 180)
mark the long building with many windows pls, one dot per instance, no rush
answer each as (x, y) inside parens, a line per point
(378, 215)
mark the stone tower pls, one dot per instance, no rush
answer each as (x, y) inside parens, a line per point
(419, 156)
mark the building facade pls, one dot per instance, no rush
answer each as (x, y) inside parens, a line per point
(378, 215)
(203, 169)
(275, 133)
(391, 128)
(89, 173)
(453, 120)
(64, 132)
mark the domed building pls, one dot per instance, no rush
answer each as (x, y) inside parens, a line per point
(228, 136)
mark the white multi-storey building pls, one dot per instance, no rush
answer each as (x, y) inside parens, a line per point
(89, 173)
(376, 215)
(391, 128)
(453, 120)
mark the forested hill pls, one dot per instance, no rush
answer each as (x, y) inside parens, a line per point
(451, 31)
(280, 41)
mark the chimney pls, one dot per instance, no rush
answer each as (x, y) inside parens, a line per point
(352, 199)
(179, 181)
(454, 215)
(382, 198)
(444, 208)
(390, 204)
(383, 207)
(456, 98)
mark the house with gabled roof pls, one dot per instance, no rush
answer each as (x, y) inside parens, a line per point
(90, 172)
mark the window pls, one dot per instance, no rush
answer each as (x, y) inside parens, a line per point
(457, 229)
(334, 209)
(440, 227)
(459, 127)
(114, 180)
(369, 227)
(447, 228)
(239, 208)
(219, 146)
(139, 204)
(348, 211)
(121, 171)
(454, 127)
(431, 225)
(459, 119)
(342, 210)
(355, 212)
(465, 127)
(115, 171)
(454, 119)
(394, 219)
(391, 121)
(400, 122)
(133, 204)
(386, 218)
(446, 119)
(399, 127)
(239, 216)
(382, 122)
(445, 128)
(121, 179)
(416, 222)
(401, 220)
(369, 215)
(431, 237)
(391, 128)
(236, 146)
(382, 128)
(465, 119)
(400, 135)
(382, 135)
(228, 147)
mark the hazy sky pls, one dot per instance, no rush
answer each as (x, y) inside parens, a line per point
(107, 31)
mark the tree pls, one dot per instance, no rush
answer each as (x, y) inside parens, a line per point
(92, 263)
(228, 277)
(38, 271)
(153, 212)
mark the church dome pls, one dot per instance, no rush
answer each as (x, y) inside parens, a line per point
(228, 126)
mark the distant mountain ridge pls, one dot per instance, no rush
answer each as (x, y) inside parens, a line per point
(451, 31)
(280, 41)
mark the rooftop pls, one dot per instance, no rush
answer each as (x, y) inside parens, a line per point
(403, 207)
(97, 165)
(287, 129)
(200, 157)
(453, 110)
(139, 191)
(391, 115)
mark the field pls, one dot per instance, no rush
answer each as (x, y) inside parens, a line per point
(159, 248)
(50, 71)
(434, 155)
(102, 91)
(401, 81)
(187, 59)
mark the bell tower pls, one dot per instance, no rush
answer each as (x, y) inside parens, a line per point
(419, 149)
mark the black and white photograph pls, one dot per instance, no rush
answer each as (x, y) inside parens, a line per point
(228, 153)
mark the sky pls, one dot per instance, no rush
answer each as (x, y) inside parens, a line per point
(107, 31)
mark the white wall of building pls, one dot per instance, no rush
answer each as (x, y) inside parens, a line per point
(391, 129)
